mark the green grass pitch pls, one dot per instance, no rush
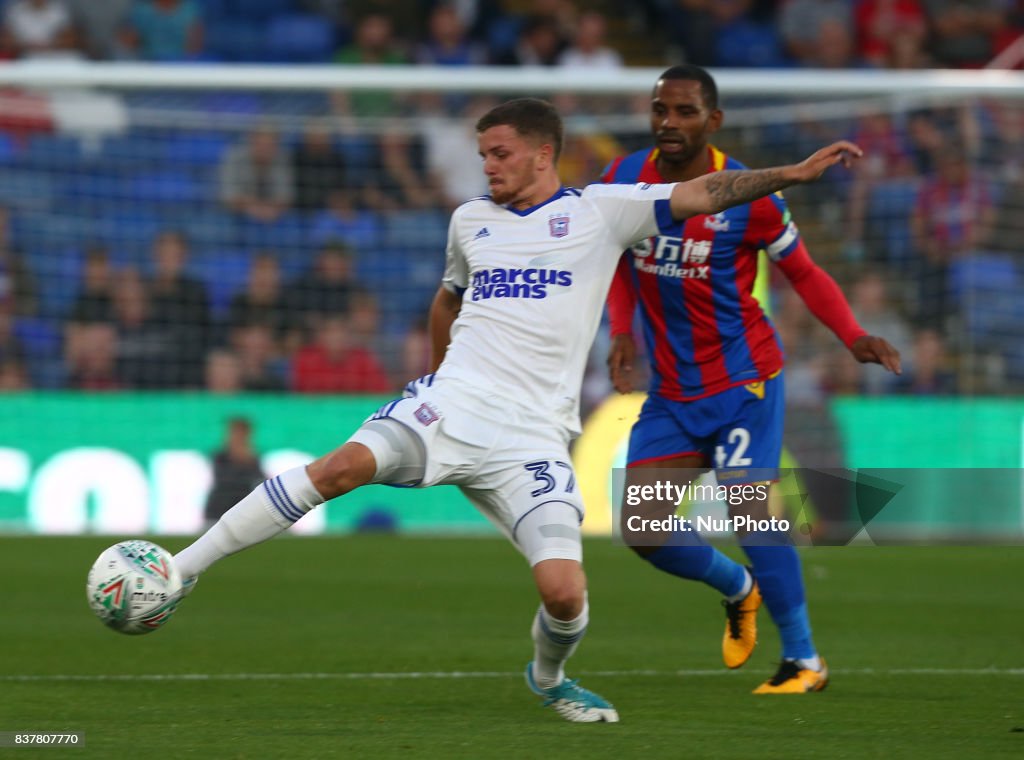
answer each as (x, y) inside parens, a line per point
(302, 648)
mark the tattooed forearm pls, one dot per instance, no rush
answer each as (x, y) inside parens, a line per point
(732, 188)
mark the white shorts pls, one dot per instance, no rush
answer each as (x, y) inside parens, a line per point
(513, 465)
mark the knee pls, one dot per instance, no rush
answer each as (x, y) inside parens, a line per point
(563, 601)
(343, 470)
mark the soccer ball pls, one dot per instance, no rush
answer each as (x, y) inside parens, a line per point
(134, 586)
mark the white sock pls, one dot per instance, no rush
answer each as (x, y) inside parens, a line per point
(810, 663)
(748, 584)
(270, 509)
(554, 641)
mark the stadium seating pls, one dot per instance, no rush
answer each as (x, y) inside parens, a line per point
(987, 289)
(890, 207)
(236, 40)
(224, 273)
(258, 9)
(200, 149)
(749, 44)
(300, 38)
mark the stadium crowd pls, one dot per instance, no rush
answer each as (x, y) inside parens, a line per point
(749, 33)
(304, 259)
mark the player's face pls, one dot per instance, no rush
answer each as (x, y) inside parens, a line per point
(680, 120)
(511, 163)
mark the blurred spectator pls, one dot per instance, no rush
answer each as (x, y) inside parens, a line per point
(326, 290)
(406, 11)
(876, 314)
(477, 17)
(448, 42)
(92, 359)
(886, 157)
(262, 302)
(13, 376)
(164, 30)
(39, 29)
(341, 221)
(539, 44)
(180, 307)
(562, 13)
(16, 280)
(100, 24)
(588, 49)
(319, 167)
(963, 30)
(450, 140)
(886, 29)
(725, 32)
(953, 218)
(256, 178)
(374, 45)
(12, 350)
(222, 372)
(843, 375)
(364, 326)
(415, 351)
(885, 148)
(364, 320)
(236, 470)
(694, 25)
(95, 301)
(401, 180)
(145, 357)
(927, 373)
(801, 21)
(335, 364)
(255, 346)
(807, 345)
(907, 52)
(925, 141)
(1003, 152)
(833, 47)
(584, 155)
(1008, 227)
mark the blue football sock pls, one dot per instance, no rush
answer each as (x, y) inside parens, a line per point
(687, 555)
(777, 570)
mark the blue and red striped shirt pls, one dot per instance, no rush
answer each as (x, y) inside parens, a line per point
(704, 329)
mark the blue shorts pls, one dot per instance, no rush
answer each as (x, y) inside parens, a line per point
(737, 431)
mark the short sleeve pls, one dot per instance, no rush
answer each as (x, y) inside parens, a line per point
(456, 269)
(633, 212)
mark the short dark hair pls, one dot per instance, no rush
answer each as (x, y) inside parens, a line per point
(529, 117)
(691, 73)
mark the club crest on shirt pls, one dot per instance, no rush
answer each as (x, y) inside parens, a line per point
(717, 222)
(558, 225)
(426, 414)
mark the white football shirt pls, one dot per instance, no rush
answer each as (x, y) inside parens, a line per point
(533, 286)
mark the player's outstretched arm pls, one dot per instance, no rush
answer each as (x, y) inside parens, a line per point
(717, 191)
(874, 350)
(827, 302)
(443, 311)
